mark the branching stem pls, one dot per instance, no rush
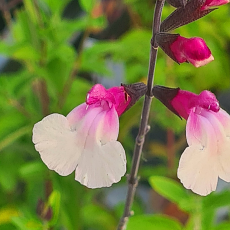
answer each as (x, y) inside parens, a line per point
(132, 178)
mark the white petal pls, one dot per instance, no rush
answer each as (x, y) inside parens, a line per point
(56, 144)
(197, 170)
(199, 162)
(102, 165)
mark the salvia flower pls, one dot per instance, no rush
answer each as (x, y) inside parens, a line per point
(213, 3)
(207, 156)
(86, 139)
(193, 50)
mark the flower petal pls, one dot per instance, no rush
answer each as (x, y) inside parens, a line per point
(221, 124)
(198, 164)
(103, 161)
(60, 140)
(196, 133)
(55, 142)
(74, 117)
(197, 170)
(101, 166)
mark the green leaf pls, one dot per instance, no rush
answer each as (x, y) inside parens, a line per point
(171, 190)
(32, 170)
(222, 226)
(56, 6)
(87, 5)
(7, 213)
(14, 136)
(153, 222)
(98, 218)
(216, 200)
(25, 52)
(54, 202)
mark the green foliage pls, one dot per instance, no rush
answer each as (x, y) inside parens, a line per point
(171, 190)
(153, 222)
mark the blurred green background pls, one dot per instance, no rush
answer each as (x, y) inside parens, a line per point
(51, 53)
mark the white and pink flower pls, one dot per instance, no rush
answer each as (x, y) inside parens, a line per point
(207, 156)
(86, 139)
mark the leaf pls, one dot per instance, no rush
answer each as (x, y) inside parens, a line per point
(56, 6)
(87, 5)
(7, 213)
(97, 217)
(171, 190)
(25, 52)
(216, 200)
(153, 222)
(222, 226)
(31, 170)
(54, 202)
(14, 136)
(23, 223)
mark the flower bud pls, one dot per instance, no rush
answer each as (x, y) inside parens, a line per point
(213, 3)
(193, 50)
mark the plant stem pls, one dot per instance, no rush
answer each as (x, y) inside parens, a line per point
(144, 128)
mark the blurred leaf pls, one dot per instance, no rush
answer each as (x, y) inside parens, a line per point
(23, 223)
(54, 202)
(171, 190)
(222, 226)
(87, 5)
(216, 200)
(7, 213)
(14, 136)
(25, 52)
(56, 6)
(152, 222)
(31, 170)
(97, 217)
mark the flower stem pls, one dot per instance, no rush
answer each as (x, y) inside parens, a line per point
(132, 179)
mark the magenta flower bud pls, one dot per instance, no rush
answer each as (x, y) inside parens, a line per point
(213, 3)
(193, 50)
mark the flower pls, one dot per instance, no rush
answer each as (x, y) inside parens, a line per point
(213, 3)
(193, 50)
(207, 156)
(86, 139)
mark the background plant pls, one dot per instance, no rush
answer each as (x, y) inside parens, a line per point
(58, 64)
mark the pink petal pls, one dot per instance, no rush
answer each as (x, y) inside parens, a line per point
(105, 128)
(122, 99)
(97, 94)
(199, 131)
(75, 116)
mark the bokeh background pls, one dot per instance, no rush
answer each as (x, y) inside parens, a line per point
(51, 53)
